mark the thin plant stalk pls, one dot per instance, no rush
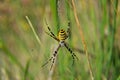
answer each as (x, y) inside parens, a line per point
(83, 41)
(36, 36)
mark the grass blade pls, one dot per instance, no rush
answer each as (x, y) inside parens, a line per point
(36, 36)
(26, 70)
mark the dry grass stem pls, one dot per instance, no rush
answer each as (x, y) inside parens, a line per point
(83, 41)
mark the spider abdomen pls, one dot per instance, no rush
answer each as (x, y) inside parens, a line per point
(62, 35)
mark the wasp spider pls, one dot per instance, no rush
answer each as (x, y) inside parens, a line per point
(62, 36)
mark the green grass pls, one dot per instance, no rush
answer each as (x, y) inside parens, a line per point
(22, 54)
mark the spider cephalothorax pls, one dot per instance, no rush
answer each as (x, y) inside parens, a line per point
(62, 36)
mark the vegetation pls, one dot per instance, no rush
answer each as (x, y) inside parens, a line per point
(25, 47)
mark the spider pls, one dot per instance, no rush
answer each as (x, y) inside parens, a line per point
(62, 36)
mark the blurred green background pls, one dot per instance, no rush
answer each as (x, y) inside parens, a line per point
(21, 56)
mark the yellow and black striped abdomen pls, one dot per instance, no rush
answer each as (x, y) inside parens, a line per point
(62, 35)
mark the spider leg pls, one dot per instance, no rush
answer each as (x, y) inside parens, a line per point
(73, 54)
(68, 29)
(52, 58)
(51, 33)
(47, 62)
(49, 29)
(52, 36)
